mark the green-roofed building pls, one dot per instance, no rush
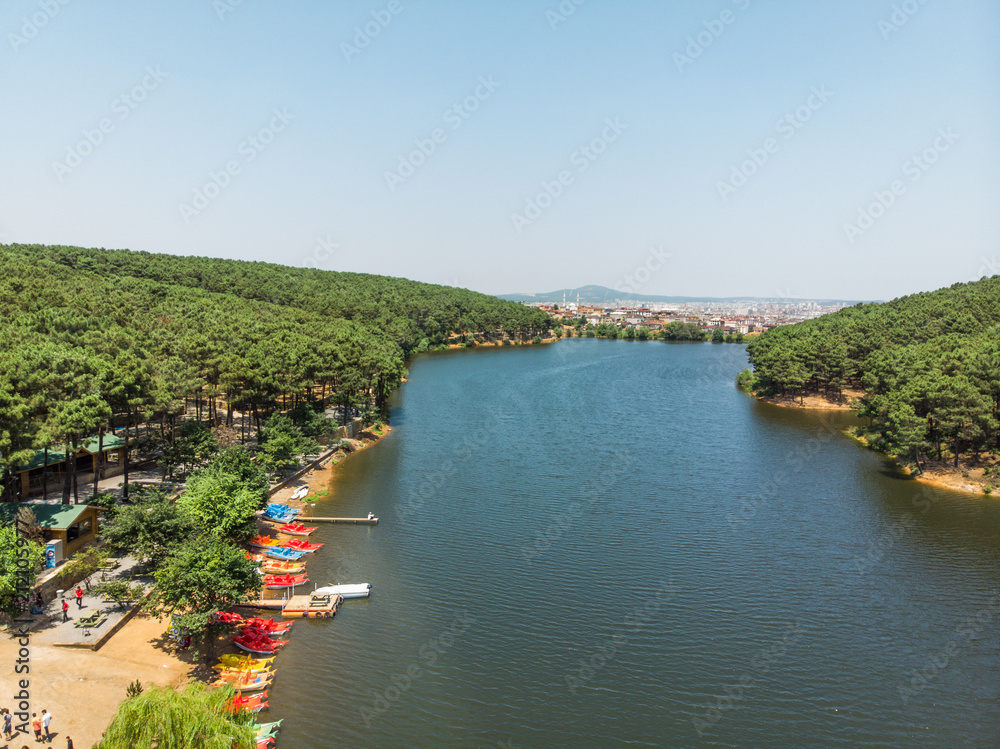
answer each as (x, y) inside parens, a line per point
(74, 525)
(104, 457)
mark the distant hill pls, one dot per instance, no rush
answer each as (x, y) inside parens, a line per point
(593, 294)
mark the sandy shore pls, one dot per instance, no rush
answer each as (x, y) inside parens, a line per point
(82, 688)
(817, 401)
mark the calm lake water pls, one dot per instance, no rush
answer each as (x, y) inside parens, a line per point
(603, 544)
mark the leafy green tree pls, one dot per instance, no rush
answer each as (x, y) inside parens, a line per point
(200, 578)
(20, 561)
(195, 718)
(221, 503)
(151, 528)
(718, 336)
(194, 445)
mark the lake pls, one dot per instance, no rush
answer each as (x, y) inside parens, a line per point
(606, 544)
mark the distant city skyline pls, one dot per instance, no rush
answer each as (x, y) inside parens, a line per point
(720, 149)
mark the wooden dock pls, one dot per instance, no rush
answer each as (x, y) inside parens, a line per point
(299, 607)
(350, 521)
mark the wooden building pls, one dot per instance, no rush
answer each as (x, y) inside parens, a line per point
(105, 457)
(74, 525)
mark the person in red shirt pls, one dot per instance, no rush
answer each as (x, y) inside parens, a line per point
(79, 597)
(36, 726)
(65, 610)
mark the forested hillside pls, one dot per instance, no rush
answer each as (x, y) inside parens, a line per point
(94, 337)
(929, 365)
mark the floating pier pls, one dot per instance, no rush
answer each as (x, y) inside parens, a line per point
(300, 607)
(351, 521)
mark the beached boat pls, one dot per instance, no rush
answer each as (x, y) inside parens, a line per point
(227, 617)
(264, 542)
(300, 493)
(234, 660)
(299, 545)
(268, 625)
(284, 554)
(243, 682)
(280, 582)
(222, 668)
(360, 590)
(268, 730)
(296, 529)
(250, 631)
(275, 567)
(258, 645)
(252, 703)
(229, 673)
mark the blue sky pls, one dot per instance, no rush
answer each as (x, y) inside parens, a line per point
(845, 150)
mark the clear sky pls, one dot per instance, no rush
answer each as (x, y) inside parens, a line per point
(785, 148)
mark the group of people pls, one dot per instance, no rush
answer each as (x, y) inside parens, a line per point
(39, 724)
(38, 602)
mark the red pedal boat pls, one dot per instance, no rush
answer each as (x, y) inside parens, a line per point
(258, 644)
(299, 545)
(251, 631)
(296, 529)
(268, 625)
(228, 617)
(253, 703)
(279, 582)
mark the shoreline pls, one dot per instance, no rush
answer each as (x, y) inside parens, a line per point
(64, 680)
(939, 473)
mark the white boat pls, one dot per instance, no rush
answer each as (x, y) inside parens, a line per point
(361, 590)
(300, 493)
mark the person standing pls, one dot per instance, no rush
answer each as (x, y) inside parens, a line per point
(8, 725)
(36, 726)
(46, 719)
(79, 597)
(65, 608)
(69, 743)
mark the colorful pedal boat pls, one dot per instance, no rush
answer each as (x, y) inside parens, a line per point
(268, 625)
(299, 545)
(227, 617)
(280, 582)
(235, 660)
(284, 553)
(243, 682)
(264, 542)
(274, 567)
(251, 632)
(252, 703)
(268, 730)
(257, 644)
(296, 529)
